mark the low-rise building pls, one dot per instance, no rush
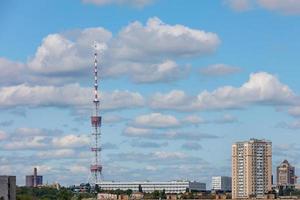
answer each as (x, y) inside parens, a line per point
(8, 187)
(221, 183)
(148, 187)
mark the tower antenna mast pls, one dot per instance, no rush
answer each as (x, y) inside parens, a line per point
(96, 166)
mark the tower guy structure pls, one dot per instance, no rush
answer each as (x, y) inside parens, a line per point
(96, 167)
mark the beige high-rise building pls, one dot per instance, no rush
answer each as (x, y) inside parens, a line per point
(286, 174)
(251, 168)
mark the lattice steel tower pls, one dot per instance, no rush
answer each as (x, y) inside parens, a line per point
(96, 167)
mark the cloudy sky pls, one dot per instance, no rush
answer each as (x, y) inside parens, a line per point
(180, 82)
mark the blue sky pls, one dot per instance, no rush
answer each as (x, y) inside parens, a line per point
(181, 81)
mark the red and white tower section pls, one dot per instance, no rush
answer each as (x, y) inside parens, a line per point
(96, 167)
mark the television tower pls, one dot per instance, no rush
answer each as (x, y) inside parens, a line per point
(96, 167)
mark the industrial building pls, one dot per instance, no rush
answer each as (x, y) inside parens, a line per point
(251, 168)
(221, 183)
(34, 180)
(148, 187)
(8, 187)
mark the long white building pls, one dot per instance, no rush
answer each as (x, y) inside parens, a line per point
(148, 187)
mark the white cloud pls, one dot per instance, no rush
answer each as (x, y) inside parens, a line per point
(60, 55)
(71, 95)
(261, 88)
(27, 143)
(12, 72)
(135, 3)
(157, 39)
(71, 141)
(156, 120)
(143, 53)
(165, 135)
(136, 132)
(25, 131)
(175, 99)
(166, 71)
(219, 70)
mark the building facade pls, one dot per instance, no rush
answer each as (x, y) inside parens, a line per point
(148, 187)
(8, 187)
(251, 168)
(286, 174)
(34, 180)
(221, 183)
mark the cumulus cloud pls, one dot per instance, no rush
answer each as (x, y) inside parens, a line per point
(12, 72)
(26, 143)
(219, 70)
(164, 121)
(71, 141)
(156, 120)
(135, 3)
(166, 71)
(62, 55)
(158, 39)
(261, 88)
(144, 53)
(72, 95)
(166, 135)
(136, 132)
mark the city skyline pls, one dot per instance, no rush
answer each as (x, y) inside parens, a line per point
(181, 82)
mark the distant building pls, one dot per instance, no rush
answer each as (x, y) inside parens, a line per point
(34, 180)
(221, 183)
(251, 168)
(8, 187)
(286, 174)
(148, 187)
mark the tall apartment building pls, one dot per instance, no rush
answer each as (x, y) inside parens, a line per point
(8, 187)
(251, 168)
(286, 174)
(221, 183)
(34, 180)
